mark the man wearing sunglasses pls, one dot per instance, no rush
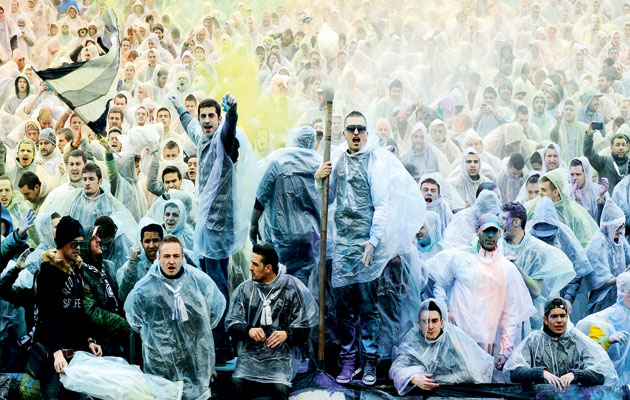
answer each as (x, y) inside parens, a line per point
(373, 244)
(62, 327)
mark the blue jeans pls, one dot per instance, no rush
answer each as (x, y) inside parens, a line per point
(52, 389)
(218, 271)
(356, 305)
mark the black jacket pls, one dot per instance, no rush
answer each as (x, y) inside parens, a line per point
(62, 323)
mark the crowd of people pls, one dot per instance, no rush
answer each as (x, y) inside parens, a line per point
(478, 192)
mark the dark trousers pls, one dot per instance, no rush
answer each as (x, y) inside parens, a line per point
(357, 303)
(51, 386)
(218, 271)
(246, 389)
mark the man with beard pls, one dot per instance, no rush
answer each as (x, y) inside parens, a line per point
(48, 154)
(484, 291)
(102, 307)
(613, 167)
(270, 316)
(76, 160)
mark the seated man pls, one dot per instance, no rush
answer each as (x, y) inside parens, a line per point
(559, 355)
(610, 328)
(437, 351)
(270, 316)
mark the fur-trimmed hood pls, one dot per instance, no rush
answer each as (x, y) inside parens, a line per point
(50, 256)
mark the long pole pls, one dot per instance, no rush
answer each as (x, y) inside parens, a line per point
(323, 233)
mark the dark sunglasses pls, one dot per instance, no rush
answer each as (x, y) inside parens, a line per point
(76, 243)
(352, 128)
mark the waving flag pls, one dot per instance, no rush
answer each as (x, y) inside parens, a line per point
(87, 86)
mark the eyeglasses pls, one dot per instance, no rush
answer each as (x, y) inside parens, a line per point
(76, 243)
(361, 128)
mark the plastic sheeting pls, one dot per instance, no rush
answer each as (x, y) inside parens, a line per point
(177, 350)
(376, 200)
(484, 292)
(608, 257)
(560, 355)
(453, 357)
(462, 228)
(292, 306)
(112, 378)
(569, 212)
(541, 262)
(182, 230)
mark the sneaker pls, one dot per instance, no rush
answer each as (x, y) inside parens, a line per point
(369, 374)
(348, 371)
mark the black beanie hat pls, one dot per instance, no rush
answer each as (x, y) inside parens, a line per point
(67, 230)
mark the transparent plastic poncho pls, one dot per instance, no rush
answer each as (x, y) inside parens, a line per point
(86, 210)
(608, 257)
(461, 230)
(449, 199)
(484, 292)
(569, 212)
(621, 197)
(128, 189)
(559, 355)
(112, 378)
(291, 306)
(182, 230)
(433, 225)
(177, 350)
(225, 193)
(291, 200)
(541, 262)
(454, 357)
(426, 160)
(615, 318)
(373, 199)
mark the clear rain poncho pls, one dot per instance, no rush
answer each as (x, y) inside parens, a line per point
(291, 306)
(449, 198)
(452, 358)
(427, 159)
(465, 185)
(541, 262)
(484, 292)
(615, 318)
(608, 258)
(621, 197)
(573, 350)
(182, 230)
(177, 345)
(222, 186)
(589, 194)
(461, 230)
(128, 189)
(566, 241)
(86, 210)
(433, 226)
(374, 200)
(569, 212)
(112, 378)
(292, 203)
